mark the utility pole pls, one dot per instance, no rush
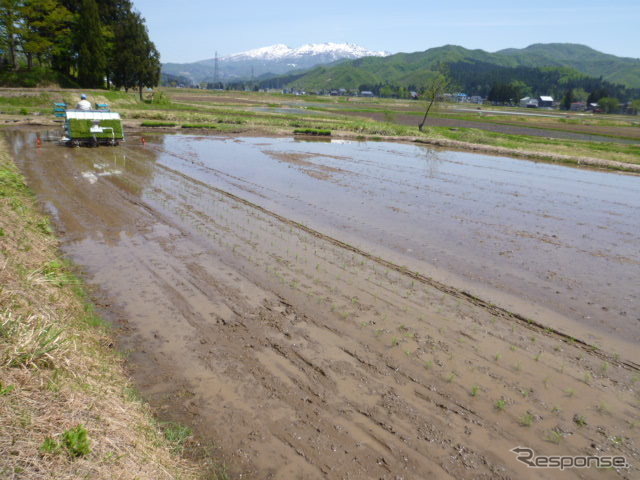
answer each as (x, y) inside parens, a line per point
(215, 70)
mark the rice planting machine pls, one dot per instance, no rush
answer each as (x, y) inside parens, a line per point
(90, 128)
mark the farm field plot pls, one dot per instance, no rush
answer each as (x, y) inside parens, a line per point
(362, 310)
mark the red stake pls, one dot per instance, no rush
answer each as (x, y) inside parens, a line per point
(38, 142)
(143, 140)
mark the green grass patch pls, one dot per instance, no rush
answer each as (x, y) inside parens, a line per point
(76, 441)
(312, 131)
(151, 123)
(627, 153)
(176, 435)
(42, 100)
(200, 125)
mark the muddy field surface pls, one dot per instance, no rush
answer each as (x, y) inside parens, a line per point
(521, 234)
(588, 134)
(298, 354)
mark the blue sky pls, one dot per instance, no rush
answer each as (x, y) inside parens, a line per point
(191, 30)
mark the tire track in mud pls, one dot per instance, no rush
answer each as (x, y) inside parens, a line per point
(493, 309)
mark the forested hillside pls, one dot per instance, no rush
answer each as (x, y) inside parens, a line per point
(625, 71)
(536, 70)
(85, 43)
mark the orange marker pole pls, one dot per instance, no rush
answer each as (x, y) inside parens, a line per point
(144, 142)
(38, 142)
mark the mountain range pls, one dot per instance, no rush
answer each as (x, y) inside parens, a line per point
(538, 69)
(411, 69)
(266, 61)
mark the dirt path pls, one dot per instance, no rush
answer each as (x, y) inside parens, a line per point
(299, 357)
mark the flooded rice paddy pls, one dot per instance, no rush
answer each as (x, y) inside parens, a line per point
(521, 233)
(361, 310)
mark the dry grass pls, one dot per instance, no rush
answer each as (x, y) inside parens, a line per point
(57, 370)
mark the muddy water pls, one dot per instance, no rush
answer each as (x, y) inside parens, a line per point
(523, 234)
(298, 356)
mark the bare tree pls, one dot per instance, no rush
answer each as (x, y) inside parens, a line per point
(432, 94)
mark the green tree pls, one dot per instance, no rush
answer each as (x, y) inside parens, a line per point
(635, 106)
(9, 27)
(609, 104)
(580, 95)
(45, 30)
(567, 100)
(519, 89)
(90, 45)
(432, 94)
(137, 64)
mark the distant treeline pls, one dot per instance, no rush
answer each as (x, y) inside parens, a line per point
(85, 43)
(487, 80)
(503, 84)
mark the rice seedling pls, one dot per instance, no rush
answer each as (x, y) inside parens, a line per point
(526, 420)
(553, 436)
(579, 420)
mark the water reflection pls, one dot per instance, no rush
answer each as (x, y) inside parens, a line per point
(82, 188)
(433, 162)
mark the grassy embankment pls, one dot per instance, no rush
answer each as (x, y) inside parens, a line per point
(67, 409)
(243, 112)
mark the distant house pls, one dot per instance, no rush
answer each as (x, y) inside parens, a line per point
(342, 92)
(545, 101)
(594, 107)
(528, 102)
(414, 95)
(578, 107)
(476, 99)
(366, 93)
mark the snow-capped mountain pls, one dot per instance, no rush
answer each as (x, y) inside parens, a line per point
(271, 60)
(336, 51)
